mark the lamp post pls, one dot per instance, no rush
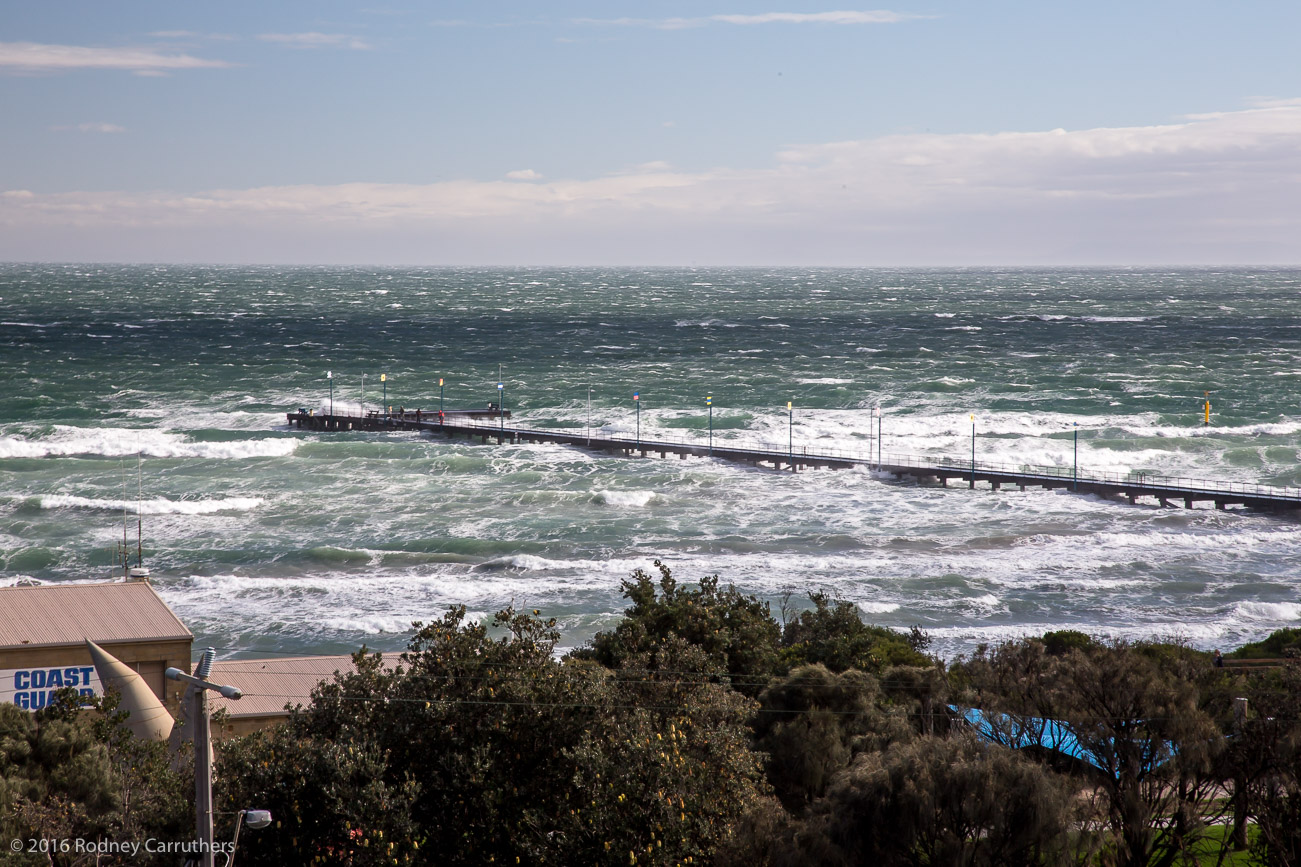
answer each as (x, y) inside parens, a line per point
(790, 445)
(973, 452)
(329, 374)
(879, 414)
(636, 401)
(709, 402)
(363, 394)
(1075, 474)
(440, 400)
(203, 749)
(589, 416)
(383, 377)
(255, 819)
(501, 407)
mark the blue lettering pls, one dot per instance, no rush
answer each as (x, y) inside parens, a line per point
(23, 700)
(22, 679)
(70, 677)
(40, 700)
(38, 679)
(53, 678)
(86, 690)
(85, 675)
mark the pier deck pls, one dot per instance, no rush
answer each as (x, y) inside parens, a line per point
(1164, 490)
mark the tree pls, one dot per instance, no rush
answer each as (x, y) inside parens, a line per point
(1127, 711)
(832, 634)
(937, 801)
(812, 723)
(66, 775)
(737, 634)
(519, 757)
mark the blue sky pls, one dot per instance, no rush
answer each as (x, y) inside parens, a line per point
(937, 133)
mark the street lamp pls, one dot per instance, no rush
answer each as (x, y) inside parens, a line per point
(589, 416)
(363, 394)
(709, 402)
(501, 407)
(636, 401)
(256, 820)
(203, 749)
(383, 377)
(440, 400)
(329, 374)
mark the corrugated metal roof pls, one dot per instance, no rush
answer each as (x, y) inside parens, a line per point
(269, 684)
(54, 614)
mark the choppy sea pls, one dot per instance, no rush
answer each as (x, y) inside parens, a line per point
(157, 394)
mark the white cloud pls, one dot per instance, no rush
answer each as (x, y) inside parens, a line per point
(90, 127)
(317, 40)
(879, 16)
(524, 175)
(1219, 187)
(37, 57)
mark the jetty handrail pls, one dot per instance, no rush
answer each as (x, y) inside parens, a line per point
(953, 466)
(1148, 481)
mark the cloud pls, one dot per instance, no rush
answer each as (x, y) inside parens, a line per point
(1216, 188)
(90, 127)
(879, 16)
(524, 175)
(317, 40)
(37, 57)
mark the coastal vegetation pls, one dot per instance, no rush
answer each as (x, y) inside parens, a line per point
(705, 729)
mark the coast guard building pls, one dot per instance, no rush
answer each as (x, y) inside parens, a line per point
(43, 632)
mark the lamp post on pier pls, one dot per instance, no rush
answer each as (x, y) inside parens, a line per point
(589, 416)
(329, 374)
(877, 411)
(363, 394)
(636, 401)
(790, 428)
(383, 377)
(501, 408)
(440, 400)
(973, 452)
(709, 402)
(1075, 473)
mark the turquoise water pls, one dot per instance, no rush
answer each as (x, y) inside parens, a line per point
(265, 538)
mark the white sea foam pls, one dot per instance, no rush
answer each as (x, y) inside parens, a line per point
(625, 498)
(125, 442)
(877, 607)
(1274, 612)
(153, 506)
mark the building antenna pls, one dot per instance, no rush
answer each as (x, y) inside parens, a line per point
(140, 483)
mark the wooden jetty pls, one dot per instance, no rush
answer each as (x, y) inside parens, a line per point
(1165, 491)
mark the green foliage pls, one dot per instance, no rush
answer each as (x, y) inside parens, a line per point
(832, 634)
(516, 755)
(67, 775)
(1279, 643)
(1137, 714)
(1065, 640)
(736, 633)
(936, 801)
(813, 722)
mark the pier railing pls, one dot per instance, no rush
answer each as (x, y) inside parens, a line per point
(1148, 481)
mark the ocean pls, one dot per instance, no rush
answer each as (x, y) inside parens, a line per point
(160, 393)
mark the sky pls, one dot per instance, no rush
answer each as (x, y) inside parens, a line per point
(702, 132)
